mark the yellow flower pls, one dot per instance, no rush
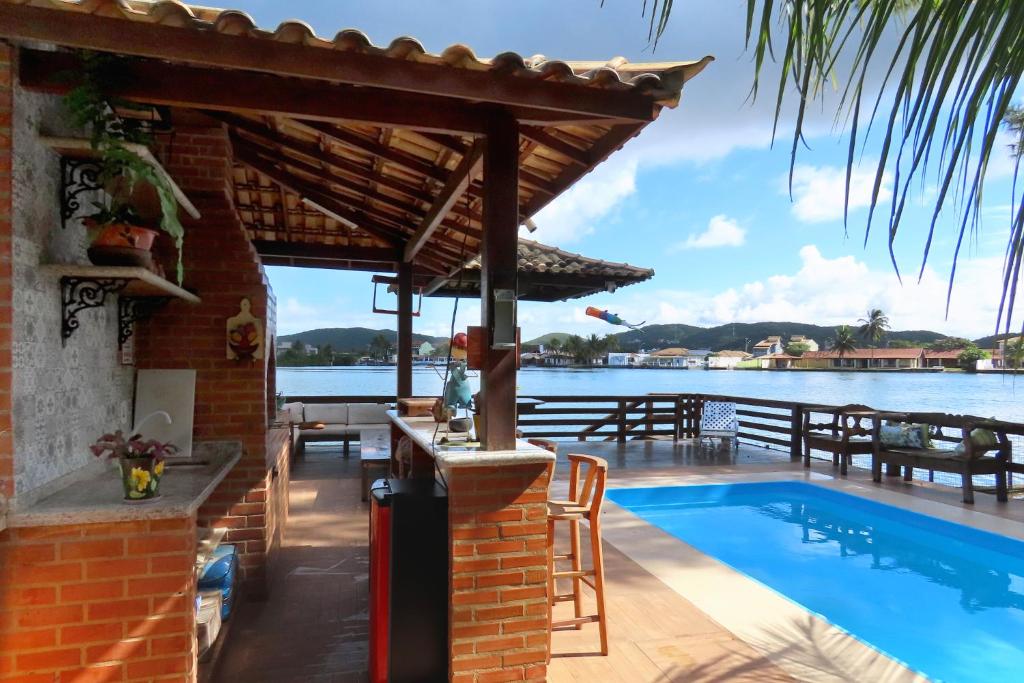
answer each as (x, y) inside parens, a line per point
(140, 478)
(159, 469)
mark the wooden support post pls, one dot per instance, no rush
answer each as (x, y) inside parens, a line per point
(796, 431)
(404, 330)
(621, 425)
(499, 270)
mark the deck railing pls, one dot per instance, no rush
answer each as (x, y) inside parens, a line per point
(767, 423)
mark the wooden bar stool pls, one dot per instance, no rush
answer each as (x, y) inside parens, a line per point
(584, 504)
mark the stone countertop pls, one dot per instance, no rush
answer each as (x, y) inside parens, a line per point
(422, 431)
(186, 484)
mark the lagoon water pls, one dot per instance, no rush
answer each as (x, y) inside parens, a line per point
(988, 395)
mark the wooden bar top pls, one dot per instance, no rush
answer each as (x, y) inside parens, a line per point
(426, 434)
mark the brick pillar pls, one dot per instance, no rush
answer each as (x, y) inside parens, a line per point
(232, 397)
(6, 152)
(98, 602)
(498, 605)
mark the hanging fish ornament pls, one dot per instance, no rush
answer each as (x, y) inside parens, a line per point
(611, 318)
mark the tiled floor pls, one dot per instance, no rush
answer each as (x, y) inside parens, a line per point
(314, 626)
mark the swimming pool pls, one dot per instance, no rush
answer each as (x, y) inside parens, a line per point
(945, 599)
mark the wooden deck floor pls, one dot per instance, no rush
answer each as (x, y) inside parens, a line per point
(314, 626)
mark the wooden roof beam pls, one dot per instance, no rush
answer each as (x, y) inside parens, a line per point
(545, 139)
(456, 185)
(331, 252)
(211, 48)
(199, 88)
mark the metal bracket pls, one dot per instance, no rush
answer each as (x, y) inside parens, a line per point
(76, 176)
(78, 294)
(131, 309)
(392, 287)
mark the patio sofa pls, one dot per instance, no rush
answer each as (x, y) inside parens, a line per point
(341, 422)
(958, 444)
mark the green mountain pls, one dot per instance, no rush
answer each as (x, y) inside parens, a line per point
(738, 336)
(991, 340)
(352, 339)
(546, 338)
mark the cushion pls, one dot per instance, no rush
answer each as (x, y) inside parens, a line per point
(367, 413)
(981, 439)
(328, 413)
(294, 411)
(328, 431)
(904, 435)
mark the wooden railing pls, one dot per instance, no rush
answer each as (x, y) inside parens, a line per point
(763, 422)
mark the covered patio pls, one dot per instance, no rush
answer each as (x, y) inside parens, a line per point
(289, 149)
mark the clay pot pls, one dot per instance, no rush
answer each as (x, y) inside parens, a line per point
(125, 235)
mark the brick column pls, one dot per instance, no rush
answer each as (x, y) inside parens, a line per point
(98, 602)
(232, 397)
(498, 606)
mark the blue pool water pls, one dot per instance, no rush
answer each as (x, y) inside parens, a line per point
(945, 599)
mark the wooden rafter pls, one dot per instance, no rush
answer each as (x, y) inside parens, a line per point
(453, 189)
(330, 252)
(225, 51)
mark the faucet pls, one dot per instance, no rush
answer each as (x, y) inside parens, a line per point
(138, 425)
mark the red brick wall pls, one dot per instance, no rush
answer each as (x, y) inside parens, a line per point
(6, 439)
(98, 602)
(231, 396)
(498, 613)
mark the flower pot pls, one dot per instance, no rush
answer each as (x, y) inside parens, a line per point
(125, 235)
(140, 478)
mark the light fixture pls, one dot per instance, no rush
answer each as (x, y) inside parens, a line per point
(330, 214)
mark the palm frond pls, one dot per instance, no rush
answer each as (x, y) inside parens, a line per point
(951, 69)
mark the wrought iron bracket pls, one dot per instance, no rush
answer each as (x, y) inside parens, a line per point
(80, 293)
(132, 309)
(76, 177)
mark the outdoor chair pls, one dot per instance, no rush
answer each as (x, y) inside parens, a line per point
(966, 453)
(845, 434)
(718, 421)
(584, 504)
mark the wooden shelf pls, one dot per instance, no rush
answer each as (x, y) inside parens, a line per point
(80, 148)
(139, 292)
(139, 282)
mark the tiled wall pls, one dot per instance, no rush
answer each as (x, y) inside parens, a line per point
(64, 397)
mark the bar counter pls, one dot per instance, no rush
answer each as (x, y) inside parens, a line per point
(425, 435)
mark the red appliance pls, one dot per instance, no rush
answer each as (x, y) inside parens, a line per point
(380, 571)
(408, 581)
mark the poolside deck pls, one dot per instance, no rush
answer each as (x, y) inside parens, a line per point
(314, 626)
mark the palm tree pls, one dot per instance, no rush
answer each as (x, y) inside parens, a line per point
(873, 326)
(845, 341)
(380, 347)
(951, 76)
(1014, 353)
(554, 344)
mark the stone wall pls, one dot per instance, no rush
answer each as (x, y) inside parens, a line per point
(6, 440)
(64, 396)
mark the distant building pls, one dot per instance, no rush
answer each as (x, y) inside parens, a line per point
(426, 349)
(801, 339)
(288, 345)
(725, 360)
(673, 357)
(864, 359)
(777, 361)
(697, 358)
(626, 359)
(942, 359)
(771, 345)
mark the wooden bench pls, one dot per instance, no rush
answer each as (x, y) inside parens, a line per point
(847, 433)
(974, 459)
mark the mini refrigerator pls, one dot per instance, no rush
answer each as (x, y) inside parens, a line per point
(408, 581)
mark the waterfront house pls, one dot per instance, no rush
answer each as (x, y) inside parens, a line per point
(942, 359)
(776, 361)
(801, 339)
(864, 359)
(627, 359)
(673, 357)
(767, 346)
(697, 358)
(725, 360)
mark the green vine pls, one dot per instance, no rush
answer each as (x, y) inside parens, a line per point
(91, 109)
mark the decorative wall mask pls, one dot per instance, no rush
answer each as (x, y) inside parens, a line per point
(245, 335)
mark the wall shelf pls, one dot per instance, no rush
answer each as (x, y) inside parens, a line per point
(80, 171)
(85, 286)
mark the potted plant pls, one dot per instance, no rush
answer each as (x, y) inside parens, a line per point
(120, 230)
(141, 463)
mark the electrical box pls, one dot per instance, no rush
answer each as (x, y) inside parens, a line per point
(503, 336)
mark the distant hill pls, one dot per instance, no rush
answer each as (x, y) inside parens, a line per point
(738, 336)
(352, 339)
(990, 341)
(546, 338)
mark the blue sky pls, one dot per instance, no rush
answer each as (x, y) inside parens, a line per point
(700, 196)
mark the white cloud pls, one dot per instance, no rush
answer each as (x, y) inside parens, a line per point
(819, 192)
(722, 231)
(573, 215)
